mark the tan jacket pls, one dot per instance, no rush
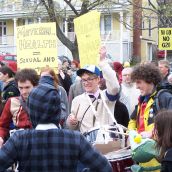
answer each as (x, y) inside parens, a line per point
(86, 113)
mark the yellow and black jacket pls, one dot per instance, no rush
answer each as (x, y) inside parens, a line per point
(165, 99)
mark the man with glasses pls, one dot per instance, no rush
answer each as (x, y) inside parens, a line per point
(91, 109)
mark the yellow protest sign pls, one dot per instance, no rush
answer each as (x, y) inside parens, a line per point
(87, 29)
(37, 46)
(165, 39)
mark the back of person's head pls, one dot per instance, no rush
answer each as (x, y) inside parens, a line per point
(127, 70)
(50, 71)
(6, 70)
(126, 64)
(145, 62)
(146, 72)
(163, 130)
(1, 64)
(44, 105)
(118, 67)
(76, 63)
(27, 74)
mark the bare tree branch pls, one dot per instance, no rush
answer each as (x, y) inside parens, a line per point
(68, 2)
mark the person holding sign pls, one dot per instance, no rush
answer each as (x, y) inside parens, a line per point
(91, 109)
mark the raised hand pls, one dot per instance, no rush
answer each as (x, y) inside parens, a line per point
(102, 53)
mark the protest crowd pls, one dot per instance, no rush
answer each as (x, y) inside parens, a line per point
(107, 118)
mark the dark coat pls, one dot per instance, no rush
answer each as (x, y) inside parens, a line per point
(10, 90)
(121, 113)
(167, 162)
(66, 82)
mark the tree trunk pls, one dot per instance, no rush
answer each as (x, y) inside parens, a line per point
(75, 54)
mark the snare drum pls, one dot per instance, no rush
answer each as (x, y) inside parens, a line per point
(121, 161)
(91, 135)
(104, 140)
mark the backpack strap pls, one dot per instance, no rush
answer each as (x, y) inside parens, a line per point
(23, 104)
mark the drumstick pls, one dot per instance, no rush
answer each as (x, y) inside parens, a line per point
(116, 132)
(120, 125)
(125, 128)
(122, 149)
(107, 37)
(77, 111)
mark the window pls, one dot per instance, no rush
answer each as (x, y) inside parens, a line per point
(107, 23)
(150, 30)
(8, 58)
(70, 25)
(3, 29)
(63, 26)
(30, 2)
(30, 21)
(143, 24)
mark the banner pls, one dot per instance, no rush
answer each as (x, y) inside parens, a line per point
(87, 29)
(37, 46)
(165, 39)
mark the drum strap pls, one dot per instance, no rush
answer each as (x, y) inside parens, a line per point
(94, 118)
(23, 104)
(79, 126)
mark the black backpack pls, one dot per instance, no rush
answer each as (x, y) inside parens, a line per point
(121, 113)
(161, 88)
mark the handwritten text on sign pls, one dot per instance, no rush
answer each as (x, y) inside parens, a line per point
(165, 39)
(37, 46)
(87, 29)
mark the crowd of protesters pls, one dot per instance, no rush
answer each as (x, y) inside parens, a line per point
(51, 105)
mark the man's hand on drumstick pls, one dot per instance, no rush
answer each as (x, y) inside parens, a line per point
(73, 119)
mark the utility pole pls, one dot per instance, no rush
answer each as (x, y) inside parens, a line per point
(137, 32)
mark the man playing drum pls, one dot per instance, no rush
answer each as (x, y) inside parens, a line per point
(91, 109)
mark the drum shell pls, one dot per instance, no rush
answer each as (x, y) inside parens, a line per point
(122, 164)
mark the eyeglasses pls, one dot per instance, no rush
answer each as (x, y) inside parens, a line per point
(89, 80)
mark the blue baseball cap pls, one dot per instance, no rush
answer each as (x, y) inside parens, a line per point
(89, 68)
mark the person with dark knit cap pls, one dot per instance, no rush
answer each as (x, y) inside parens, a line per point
(47, 148)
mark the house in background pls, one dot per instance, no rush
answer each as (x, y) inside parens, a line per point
(117, 38)
(149, 37)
